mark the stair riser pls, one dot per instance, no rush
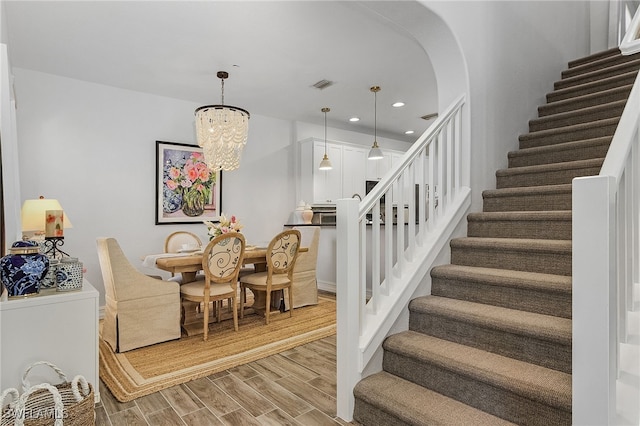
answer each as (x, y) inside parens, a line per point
(596, 75)
(597, 65)
(555, 177)
(367, 414)
(594, 57)
(525, 348)
(595, 87)
(532, 140)
(536, 158)
(530, 229)
(554, 122)
(618, 94)
(534, 202)
(551, 262)
(499, 402)
(529, 300)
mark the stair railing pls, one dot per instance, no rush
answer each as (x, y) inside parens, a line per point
(387, 243)
(605, 265)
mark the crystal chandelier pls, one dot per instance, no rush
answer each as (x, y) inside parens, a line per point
(221, 131)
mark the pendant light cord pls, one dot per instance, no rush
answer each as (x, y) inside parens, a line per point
(325, 133)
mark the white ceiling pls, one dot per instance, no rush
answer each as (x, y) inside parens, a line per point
(274, 52)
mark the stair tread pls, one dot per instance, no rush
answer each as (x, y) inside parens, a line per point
(532, 381)
(516, 244)
(542, 215)
(560, 146)
(543, 327)
(415, 404)
(579, 112)
(614, 51)
(527, 190)
(505, 277)
(549, 167)
(597, 73)
(611, 80)
(583, 98)
(598, 63)
(569, 129)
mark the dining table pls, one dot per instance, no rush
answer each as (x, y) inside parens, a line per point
(188, 264)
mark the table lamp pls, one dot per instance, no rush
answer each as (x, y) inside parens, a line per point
(43, 220)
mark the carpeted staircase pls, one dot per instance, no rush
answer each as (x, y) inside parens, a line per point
(492, 344)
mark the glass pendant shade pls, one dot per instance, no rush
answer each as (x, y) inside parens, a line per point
(222, 131)
(375, 153)
(325, 164)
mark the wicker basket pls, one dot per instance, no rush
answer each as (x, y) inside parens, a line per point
(68, 403)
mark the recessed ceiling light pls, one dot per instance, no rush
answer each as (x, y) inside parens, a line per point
(409, 132)
(398, 104)
(354, 119)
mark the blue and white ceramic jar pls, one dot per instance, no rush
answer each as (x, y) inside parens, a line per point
(69, 274)
(23, 269)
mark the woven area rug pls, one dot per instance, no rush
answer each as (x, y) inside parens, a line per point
(146, 370)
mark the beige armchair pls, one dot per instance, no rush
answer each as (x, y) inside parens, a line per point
(305, 284)
(140, 310)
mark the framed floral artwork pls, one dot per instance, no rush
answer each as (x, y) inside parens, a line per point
(186, 190)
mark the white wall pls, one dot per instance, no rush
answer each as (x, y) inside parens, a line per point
(93, 148)
(507, 54)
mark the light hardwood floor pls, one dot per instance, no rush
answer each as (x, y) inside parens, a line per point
(295, 387)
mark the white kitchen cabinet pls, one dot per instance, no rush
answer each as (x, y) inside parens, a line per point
(58, 327)
(327, 184)
(351, 169)
(354, 160)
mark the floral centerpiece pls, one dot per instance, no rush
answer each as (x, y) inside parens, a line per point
(193, 180)
(223, 226)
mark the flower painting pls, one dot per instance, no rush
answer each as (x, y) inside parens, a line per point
(186, 190)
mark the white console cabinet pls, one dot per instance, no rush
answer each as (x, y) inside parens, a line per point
(58, 327)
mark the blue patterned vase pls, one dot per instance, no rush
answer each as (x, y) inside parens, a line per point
(23, 269)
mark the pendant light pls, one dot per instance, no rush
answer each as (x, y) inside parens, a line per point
(325, 164)
(221, 131)
(375, 153)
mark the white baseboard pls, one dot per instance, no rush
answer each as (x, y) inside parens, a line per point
(327, 286)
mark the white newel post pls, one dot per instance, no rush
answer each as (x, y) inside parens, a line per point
(594, 300)
(347, 299)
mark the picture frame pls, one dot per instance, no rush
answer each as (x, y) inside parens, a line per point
(186, 190)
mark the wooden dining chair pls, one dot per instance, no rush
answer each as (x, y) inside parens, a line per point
(221, 263)
(282, 253)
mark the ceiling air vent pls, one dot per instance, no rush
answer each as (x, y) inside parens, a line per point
(322, 84)
(429, 116)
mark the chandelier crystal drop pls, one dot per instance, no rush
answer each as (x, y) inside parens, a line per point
(222, 131)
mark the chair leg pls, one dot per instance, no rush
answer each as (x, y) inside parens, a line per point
(267, 307)
(206, 321)
(243, 297)
(219, 316)
(290, 302)
(235, 312)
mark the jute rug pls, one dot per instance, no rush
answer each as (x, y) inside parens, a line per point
(147, 370)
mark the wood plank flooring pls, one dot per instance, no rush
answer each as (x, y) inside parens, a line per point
(295, 387)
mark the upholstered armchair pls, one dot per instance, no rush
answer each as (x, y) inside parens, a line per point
(140, 310)
(305, 284)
